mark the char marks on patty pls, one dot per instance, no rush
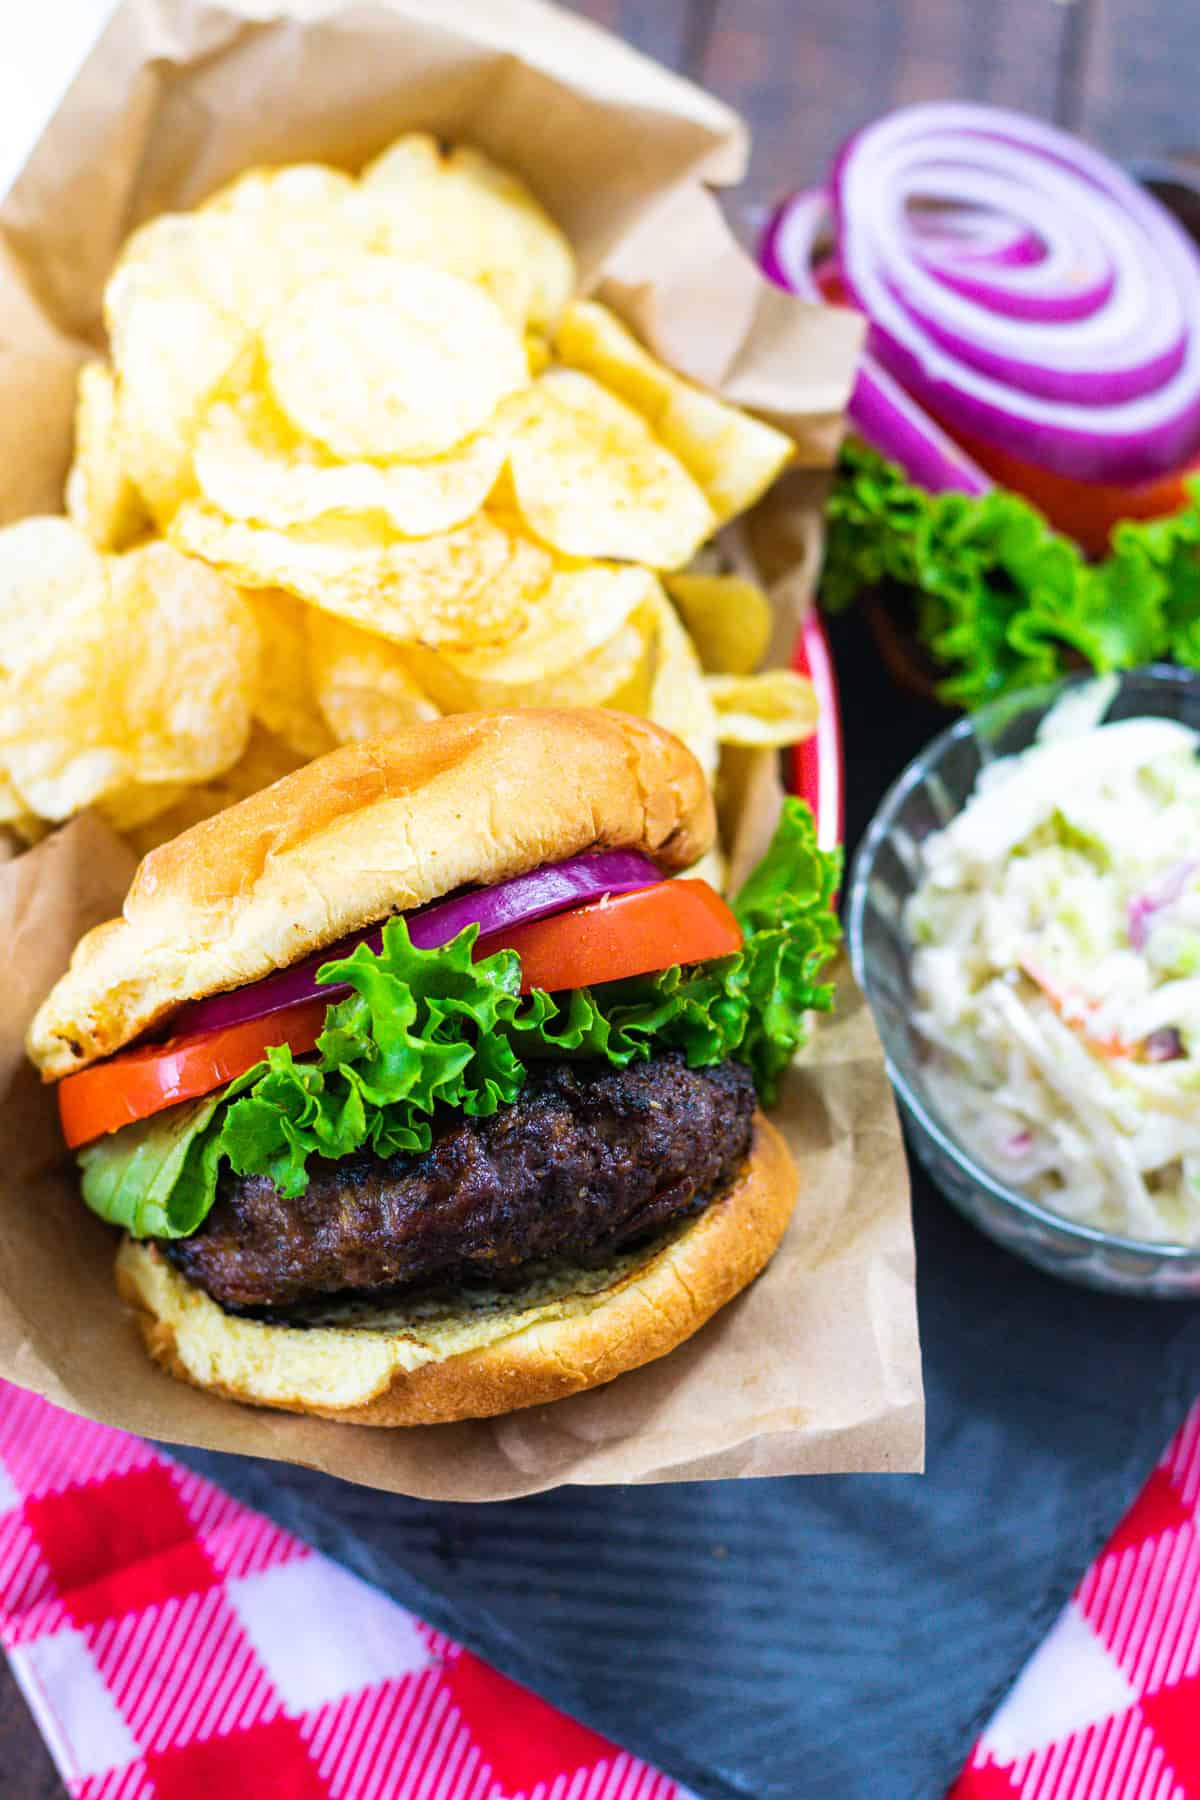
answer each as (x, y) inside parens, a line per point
(589, 1159)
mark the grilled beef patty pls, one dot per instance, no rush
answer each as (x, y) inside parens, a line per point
(588, 1159)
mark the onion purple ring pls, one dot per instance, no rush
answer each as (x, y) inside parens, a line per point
(535, 895)
(1020, 289)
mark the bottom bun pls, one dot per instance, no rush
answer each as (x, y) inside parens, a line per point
(470, 1353)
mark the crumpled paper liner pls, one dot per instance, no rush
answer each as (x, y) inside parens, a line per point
(816, 1368)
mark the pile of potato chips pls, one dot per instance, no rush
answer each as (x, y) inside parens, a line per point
(360, 458)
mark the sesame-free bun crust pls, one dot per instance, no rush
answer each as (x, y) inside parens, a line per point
(464, 1357)
(369, 830)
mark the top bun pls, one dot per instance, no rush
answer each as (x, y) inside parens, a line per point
(369, 830)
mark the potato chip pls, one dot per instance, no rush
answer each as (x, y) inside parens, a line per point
(101, 497)
(618, 674)
(592, 480)
(223, 262)
(763, 711)
(573, 615)
(184, 305)
(285, 699)
(537, 353)
(728, 619)
(143, 677)
(734, 456)
(472, 584)
(264, 760)
(172, 353)
(186, 302)
(307, 190)
(252, 465)
(460, 211)
(189, 647)
(363, 683)
(278, 230)
(47, 567)
(496, 611)
(175, 256)
(679, 697)
(631, 693)
(391, 360)
(127, 808)
(246, 256)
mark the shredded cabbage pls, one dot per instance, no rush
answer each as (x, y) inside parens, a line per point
(1057, 971)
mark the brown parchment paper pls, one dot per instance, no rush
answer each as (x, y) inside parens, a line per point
(816, 1368)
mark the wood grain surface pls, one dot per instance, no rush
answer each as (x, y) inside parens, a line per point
(806, 75)
(1138, 76)
(806, 72)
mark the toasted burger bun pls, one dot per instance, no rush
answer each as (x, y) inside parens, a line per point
(468, 1355)
(369, 830)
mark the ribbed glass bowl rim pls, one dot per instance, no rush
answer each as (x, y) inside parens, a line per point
(1162, 675)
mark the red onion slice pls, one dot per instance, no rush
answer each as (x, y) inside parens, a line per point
(1087, 360)
(886, 416)
(533, 896)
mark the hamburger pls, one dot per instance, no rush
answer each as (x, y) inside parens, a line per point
(417, 1086)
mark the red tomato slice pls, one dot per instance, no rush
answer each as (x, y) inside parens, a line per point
(1084, 510)
(624, 934)
(140, 1082)
(830, 284)
(603, 940)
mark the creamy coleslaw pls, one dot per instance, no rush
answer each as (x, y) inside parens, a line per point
(1056, 970)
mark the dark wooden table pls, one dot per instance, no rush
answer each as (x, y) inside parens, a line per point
(806, 72)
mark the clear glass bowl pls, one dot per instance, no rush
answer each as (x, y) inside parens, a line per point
(932, 789)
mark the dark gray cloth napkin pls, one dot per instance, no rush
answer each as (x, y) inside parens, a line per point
(797, 1639)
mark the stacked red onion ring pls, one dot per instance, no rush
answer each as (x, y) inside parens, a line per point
(1020, 289)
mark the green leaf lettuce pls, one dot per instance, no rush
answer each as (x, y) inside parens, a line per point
(1002, 600)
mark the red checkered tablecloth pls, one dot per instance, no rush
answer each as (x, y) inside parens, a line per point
(174, 1645)
(1109, 1706)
